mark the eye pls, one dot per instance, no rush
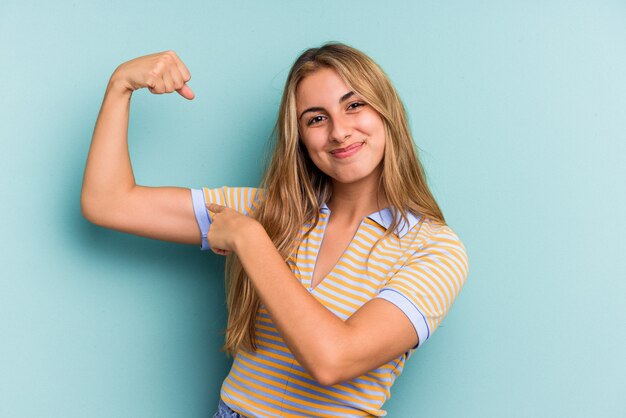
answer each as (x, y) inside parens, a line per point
(315, 120)
(355, 105)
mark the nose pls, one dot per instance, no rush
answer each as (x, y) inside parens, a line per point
(341, 129)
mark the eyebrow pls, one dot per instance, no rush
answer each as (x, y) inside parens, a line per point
(318, 109)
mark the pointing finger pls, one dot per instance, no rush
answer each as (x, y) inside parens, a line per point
(221, 252)
(215, 208)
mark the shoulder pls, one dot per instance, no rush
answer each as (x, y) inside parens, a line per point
(432, 275)
(439, 240)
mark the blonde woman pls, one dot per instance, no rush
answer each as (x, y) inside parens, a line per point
(340, 263)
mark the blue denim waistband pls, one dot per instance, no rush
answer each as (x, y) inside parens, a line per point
(223, 411)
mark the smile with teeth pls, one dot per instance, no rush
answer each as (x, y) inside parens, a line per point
(347, 151)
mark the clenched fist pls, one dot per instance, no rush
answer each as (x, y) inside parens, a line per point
(162, 72)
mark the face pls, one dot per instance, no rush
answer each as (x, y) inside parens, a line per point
(344, 135)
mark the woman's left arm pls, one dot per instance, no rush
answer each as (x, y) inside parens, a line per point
(331, 350)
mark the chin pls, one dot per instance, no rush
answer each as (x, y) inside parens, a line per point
(348, 178)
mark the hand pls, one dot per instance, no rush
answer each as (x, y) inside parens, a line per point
(162, 72)
(228, 228)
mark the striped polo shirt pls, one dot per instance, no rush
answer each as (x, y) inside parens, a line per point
(420, 268)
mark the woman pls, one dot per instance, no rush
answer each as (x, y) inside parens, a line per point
(340, 264)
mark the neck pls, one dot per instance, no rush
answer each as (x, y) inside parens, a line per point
(354, 201)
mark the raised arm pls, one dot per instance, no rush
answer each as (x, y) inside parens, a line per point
(110, 197)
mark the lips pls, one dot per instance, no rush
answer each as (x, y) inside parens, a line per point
(347, 151)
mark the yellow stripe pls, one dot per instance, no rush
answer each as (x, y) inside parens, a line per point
(326, 300)
(208, 199)
(308, 253)
(249, 403)
(438, 285)
(377, 399)
(448, 282)
(413, 295)
(269, 336)
(376, 225)
(249, 357)
(361, 237)
(322, 291)
(379, 258)
(357, 271)
(232, 199)
(262, 389)
(238, 405)
(435, 288)
(356, 296)
(299, 391)
(278, 347)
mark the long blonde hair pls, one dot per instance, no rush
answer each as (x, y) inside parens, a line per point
(294, 188)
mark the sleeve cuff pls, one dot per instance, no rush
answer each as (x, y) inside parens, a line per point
(417, 318)
(202, 215)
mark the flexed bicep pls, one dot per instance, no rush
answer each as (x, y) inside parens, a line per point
(110, 197)
(163, 213)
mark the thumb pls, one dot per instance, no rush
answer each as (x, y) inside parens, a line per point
(186, 92)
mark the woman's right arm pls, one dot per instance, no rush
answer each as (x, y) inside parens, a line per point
(110, 197)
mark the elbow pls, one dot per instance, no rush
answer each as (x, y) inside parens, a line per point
(89, 209)
(327, 378)
(328, 372)
(104, 209)
(332, 361)
(86, 207)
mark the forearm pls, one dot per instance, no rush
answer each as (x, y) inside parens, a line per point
(315, 336)
(108, 172)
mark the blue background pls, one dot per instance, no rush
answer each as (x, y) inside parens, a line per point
(518, 108)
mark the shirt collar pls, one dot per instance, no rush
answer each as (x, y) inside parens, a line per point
(384, 218)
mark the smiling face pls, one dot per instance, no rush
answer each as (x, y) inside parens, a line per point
(343, 134)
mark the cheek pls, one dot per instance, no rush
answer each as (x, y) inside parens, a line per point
(376, 131)
(372, 123)
(311, 151)
(313, 143)
(378, 125)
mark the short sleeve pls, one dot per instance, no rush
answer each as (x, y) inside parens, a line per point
(427, 285)
(242, 199)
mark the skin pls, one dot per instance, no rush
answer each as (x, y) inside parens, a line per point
(110, 197)
(331, 117)
(330, 349)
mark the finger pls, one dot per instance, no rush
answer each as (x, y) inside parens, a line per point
(186, 92)
(179, 84)
(156, 86)
(184, 71)
(215, 208)
(176, 78)
(168, 82)
(221, 252)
